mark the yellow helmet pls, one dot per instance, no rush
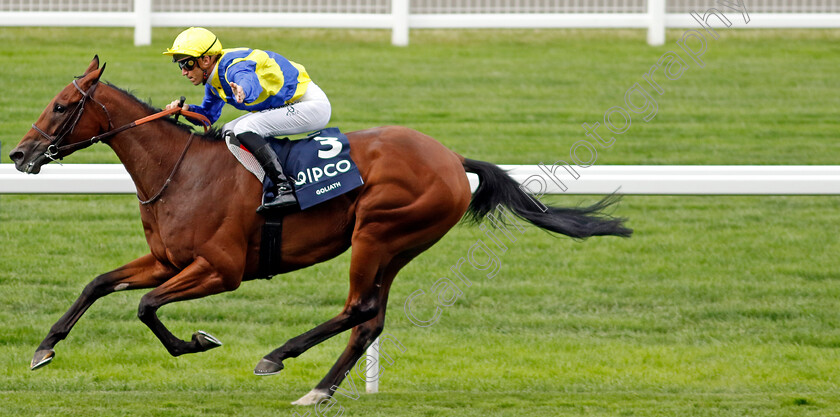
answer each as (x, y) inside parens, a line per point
(195, 42)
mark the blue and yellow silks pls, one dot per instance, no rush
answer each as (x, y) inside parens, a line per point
(268, 80)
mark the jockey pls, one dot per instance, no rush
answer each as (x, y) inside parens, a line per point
(278, 94)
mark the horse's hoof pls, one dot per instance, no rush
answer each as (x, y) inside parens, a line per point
(266, 367)
(42, 358)
(205, 340)
(312, 398)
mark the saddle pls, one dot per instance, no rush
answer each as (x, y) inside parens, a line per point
(320, 168)
(319, 165)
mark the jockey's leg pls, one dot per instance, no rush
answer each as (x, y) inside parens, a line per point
(284, 192)
(310, 113)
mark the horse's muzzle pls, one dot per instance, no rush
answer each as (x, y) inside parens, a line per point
(29, 164)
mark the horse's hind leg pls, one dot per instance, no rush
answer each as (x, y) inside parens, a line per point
(364, 302)
(361, 337)
(144, 272)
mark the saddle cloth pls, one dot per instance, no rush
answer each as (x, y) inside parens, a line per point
(320, 165)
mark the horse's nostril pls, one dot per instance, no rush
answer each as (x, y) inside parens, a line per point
(16, 156)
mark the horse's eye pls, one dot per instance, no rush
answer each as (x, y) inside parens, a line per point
(59, 108)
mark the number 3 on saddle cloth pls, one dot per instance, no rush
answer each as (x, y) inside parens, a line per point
(319, 164)
(322, 169)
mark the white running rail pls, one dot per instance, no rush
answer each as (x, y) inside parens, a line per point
(598, 179)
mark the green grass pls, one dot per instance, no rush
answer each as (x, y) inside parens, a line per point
(718, 306)
(764, 97)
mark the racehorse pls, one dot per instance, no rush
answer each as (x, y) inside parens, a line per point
(203, 231)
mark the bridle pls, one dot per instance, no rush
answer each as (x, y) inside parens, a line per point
(69, 125)
(54, 148)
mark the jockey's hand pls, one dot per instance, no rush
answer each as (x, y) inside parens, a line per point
(238, 92)
(175, 104)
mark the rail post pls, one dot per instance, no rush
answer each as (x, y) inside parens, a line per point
(142, 22)
(656, 22)
(399, 28)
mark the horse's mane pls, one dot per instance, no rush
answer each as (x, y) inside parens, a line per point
(214, 134)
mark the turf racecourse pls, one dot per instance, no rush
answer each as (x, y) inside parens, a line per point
(718, 306)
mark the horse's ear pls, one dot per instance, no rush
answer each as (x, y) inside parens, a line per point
(91, 78)
(94, 65)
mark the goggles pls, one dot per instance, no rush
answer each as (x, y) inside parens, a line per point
(187, 64)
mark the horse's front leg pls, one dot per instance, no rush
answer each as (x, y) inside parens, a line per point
(197, 280)
(144, 272)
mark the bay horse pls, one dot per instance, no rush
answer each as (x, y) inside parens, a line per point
(203, 232)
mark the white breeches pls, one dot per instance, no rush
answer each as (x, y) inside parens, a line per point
(310, 113)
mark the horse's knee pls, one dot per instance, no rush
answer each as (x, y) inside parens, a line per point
(372, 327)
(146, 309)
(363, 310)
(98, 287)
(367, 332)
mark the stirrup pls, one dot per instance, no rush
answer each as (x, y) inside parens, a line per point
(284, 197)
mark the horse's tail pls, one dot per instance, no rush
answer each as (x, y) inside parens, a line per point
(496, 188)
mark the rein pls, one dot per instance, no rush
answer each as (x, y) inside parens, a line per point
(171, 174)
(69, 125)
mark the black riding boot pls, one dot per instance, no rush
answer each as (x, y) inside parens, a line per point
(284, 191)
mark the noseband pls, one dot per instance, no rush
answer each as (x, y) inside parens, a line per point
(69, 124)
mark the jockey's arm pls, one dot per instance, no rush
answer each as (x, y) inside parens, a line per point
(243, 74)
(210, 107)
